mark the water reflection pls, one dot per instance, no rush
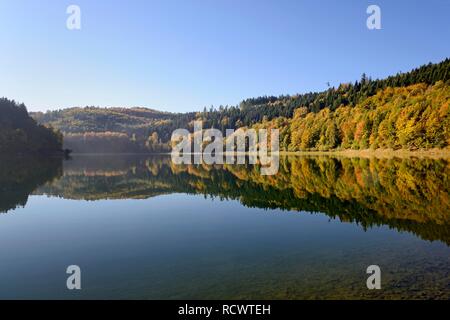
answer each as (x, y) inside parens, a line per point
(20, 176)
(182, 246)
(406, 194)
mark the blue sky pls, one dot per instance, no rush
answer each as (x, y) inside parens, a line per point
(184, 55)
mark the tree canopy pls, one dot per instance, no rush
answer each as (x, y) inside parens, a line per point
(406, 110)
(20, 134)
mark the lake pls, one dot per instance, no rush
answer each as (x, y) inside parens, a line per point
(141, 227)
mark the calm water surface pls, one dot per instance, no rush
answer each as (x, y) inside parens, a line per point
(142, 227)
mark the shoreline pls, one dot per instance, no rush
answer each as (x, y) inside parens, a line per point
(376, 153)
(365, 153)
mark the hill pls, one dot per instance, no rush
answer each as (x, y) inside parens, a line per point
(93, 119)
(327, 117)
(20, 134)
(412, 117)
(94, 129)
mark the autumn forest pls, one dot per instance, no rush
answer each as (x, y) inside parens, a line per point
(405, 111)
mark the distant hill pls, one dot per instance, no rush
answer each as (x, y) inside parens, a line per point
(20, 134)
(94, 119)
(93, 129)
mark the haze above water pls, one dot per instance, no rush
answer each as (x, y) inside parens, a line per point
(143, 227)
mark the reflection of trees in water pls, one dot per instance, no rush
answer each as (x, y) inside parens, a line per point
(20, 176)
(406, 194)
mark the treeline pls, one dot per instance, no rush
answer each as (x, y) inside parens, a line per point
(99, 130)
(413, 117)
(254, 110)
(93, 119)
(140, 125)
(20, 134)
(113, 142)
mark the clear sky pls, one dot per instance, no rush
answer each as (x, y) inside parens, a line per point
(184, 55)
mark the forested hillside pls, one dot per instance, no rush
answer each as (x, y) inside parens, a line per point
(93, 129)
(413, 117)
(20, 134)
(408, 110)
